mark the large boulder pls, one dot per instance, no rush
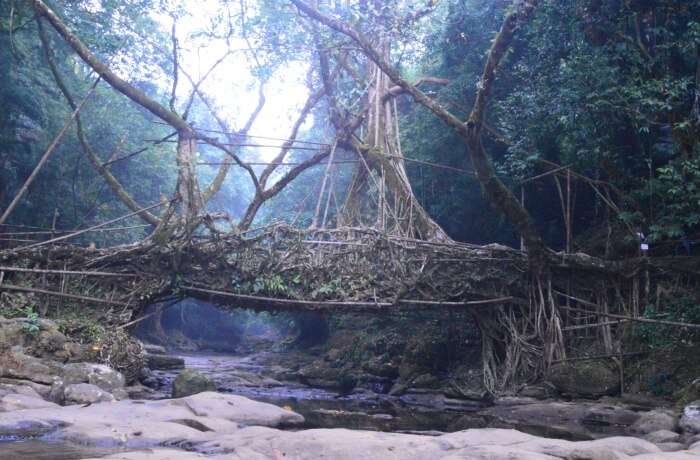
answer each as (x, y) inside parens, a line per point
(586, 379)
(690, 420)
(17, 365)
(99, 375)
(147, 423)
(151, 348)
(190, 382)
(321, 373)
(662, 436)
(39, 337)
(85, 393)
(654, 421)
(382, 366)
(9, 385)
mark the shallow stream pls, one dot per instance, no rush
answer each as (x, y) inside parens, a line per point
(259, 376)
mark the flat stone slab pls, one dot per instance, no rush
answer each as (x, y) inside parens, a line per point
(260, 443)
(223, 426)
(140, 424)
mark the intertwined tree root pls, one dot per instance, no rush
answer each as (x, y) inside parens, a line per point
(522, 315)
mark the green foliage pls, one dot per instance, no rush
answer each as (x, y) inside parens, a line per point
(677, 188)
(80, 328)
(330, 289)
(31, 325)
(272, 285)
(658, 336)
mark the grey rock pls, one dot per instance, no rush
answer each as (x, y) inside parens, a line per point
(653, 421)
(514, 401)
(153, 349)
(16, 364)
(57, 393)
(670, 446)
(542, 391)
(398, 389)
(690, 420)
(570, 420)
(662, 436)
(120, 394)
(42, 389)
(85, 393)
(96, 374)
(8, 389)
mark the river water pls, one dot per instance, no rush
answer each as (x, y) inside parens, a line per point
(260, 376)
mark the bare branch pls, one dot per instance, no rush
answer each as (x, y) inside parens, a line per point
(215, 143)
(195, 88)
(106, 73)
(311, 101)
(102, 169)
(173, 93)
(260, 198)
(396, 90)
(218, 181)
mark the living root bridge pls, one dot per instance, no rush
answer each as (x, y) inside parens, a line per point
(281, 267)
(527, 320)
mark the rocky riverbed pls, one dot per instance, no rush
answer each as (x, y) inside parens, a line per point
(215, 425)
(55, 405)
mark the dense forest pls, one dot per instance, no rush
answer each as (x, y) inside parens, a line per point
(606, 88)
(460, 205)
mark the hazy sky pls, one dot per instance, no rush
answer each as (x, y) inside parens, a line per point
(231, 86)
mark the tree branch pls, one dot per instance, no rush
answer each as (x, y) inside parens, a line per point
(173, 92)
(218, 181)
(112, 181)
(106, 73)
(396, 90)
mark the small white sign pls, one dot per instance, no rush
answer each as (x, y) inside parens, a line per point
(644, 247)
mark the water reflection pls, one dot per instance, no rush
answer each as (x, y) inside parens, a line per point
(36, 449)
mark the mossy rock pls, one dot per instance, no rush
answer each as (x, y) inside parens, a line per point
(585, 379)
(190, 382)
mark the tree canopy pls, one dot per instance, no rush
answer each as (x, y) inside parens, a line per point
(596, 101)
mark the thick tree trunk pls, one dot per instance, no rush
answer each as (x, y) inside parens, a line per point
(496, 192)
(187, 183)
(397, 208)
